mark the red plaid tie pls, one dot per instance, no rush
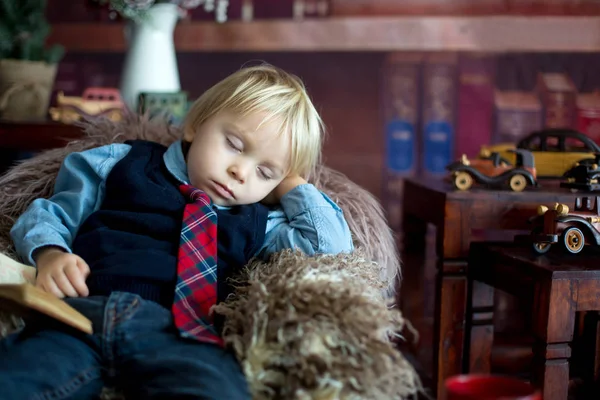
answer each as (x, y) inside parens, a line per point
(196, 289)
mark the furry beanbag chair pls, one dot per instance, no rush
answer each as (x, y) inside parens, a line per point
(302, 327)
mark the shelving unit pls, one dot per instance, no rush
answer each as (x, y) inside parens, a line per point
(401, 33)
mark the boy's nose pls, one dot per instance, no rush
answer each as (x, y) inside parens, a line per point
(237, 173)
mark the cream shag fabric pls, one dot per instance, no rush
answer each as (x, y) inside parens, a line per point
(302, 327)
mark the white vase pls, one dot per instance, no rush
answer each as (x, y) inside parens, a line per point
(151, 62)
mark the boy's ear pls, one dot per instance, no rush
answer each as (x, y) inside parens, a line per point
(188, 135)
(185, 148)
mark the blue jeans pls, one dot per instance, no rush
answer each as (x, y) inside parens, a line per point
(135, 349)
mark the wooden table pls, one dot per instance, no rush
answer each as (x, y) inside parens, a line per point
(557, 284)
(456, 215)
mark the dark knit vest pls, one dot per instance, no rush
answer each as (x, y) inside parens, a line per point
(131, 242)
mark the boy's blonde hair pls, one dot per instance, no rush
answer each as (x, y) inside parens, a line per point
(269, 89)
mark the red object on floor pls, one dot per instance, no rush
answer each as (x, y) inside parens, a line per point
(489, 387)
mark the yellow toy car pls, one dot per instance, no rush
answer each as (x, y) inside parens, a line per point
(95, 101)
(555, 151)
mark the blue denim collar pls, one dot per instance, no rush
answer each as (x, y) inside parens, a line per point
(175, 162)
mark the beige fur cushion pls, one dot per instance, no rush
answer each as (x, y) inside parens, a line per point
(320, 330)
(302, 327)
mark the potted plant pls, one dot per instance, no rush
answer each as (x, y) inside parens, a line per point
(151, 61)
(27, 65)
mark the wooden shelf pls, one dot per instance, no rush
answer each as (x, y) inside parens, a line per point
(36, 135)
(406, 33)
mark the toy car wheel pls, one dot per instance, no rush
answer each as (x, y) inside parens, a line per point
(539, 247)
(517, 183)
(573, 240)
(463, 180)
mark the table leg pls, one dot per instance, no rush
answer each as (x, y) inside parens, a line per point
(551, 369)
(449, 323)
(411, 296)
(554, 321)
(584, 358)
(452, 245)
(479, 328)
(412, 247)
(596, 375)
(414, 230)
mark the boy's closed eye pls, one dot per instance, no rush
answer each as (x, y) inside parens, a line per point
(235, 144)
(265, 173)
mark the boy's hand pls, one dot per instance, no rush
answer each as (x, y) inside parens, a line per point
(62, 274)
(285, 186)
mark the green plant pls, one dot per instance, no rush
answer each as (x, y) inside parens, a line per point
(24, 30)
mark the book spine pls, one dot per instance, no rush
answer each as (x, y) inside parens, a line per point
(439, 113)
(559, 109)
(588, 122)
(475, 103)
(559, 105)
(400, 102)
(513, 122)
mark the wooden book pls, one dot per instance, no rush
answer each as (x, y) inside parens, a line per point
(27, 301)
(18, 296)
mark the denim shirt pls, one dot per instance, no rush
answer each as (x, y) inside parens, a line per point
(306, 219)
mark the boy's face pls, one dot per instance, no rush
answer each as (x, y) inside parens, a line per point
(236, 161)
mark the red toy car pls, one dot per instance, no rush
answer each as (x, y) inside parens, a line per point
(494, 171)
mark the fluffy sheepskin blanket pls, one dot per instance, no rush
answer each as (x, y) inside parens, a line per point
(302, 327)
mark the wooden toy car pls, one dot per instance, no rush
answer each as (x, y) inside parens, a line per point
(95, 101)
(555, 151)
(494, 171)
(584, 176)
(571, 229)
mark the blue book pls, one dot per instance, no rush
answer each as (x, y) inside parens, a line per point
(400, 100)
(439, 112)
